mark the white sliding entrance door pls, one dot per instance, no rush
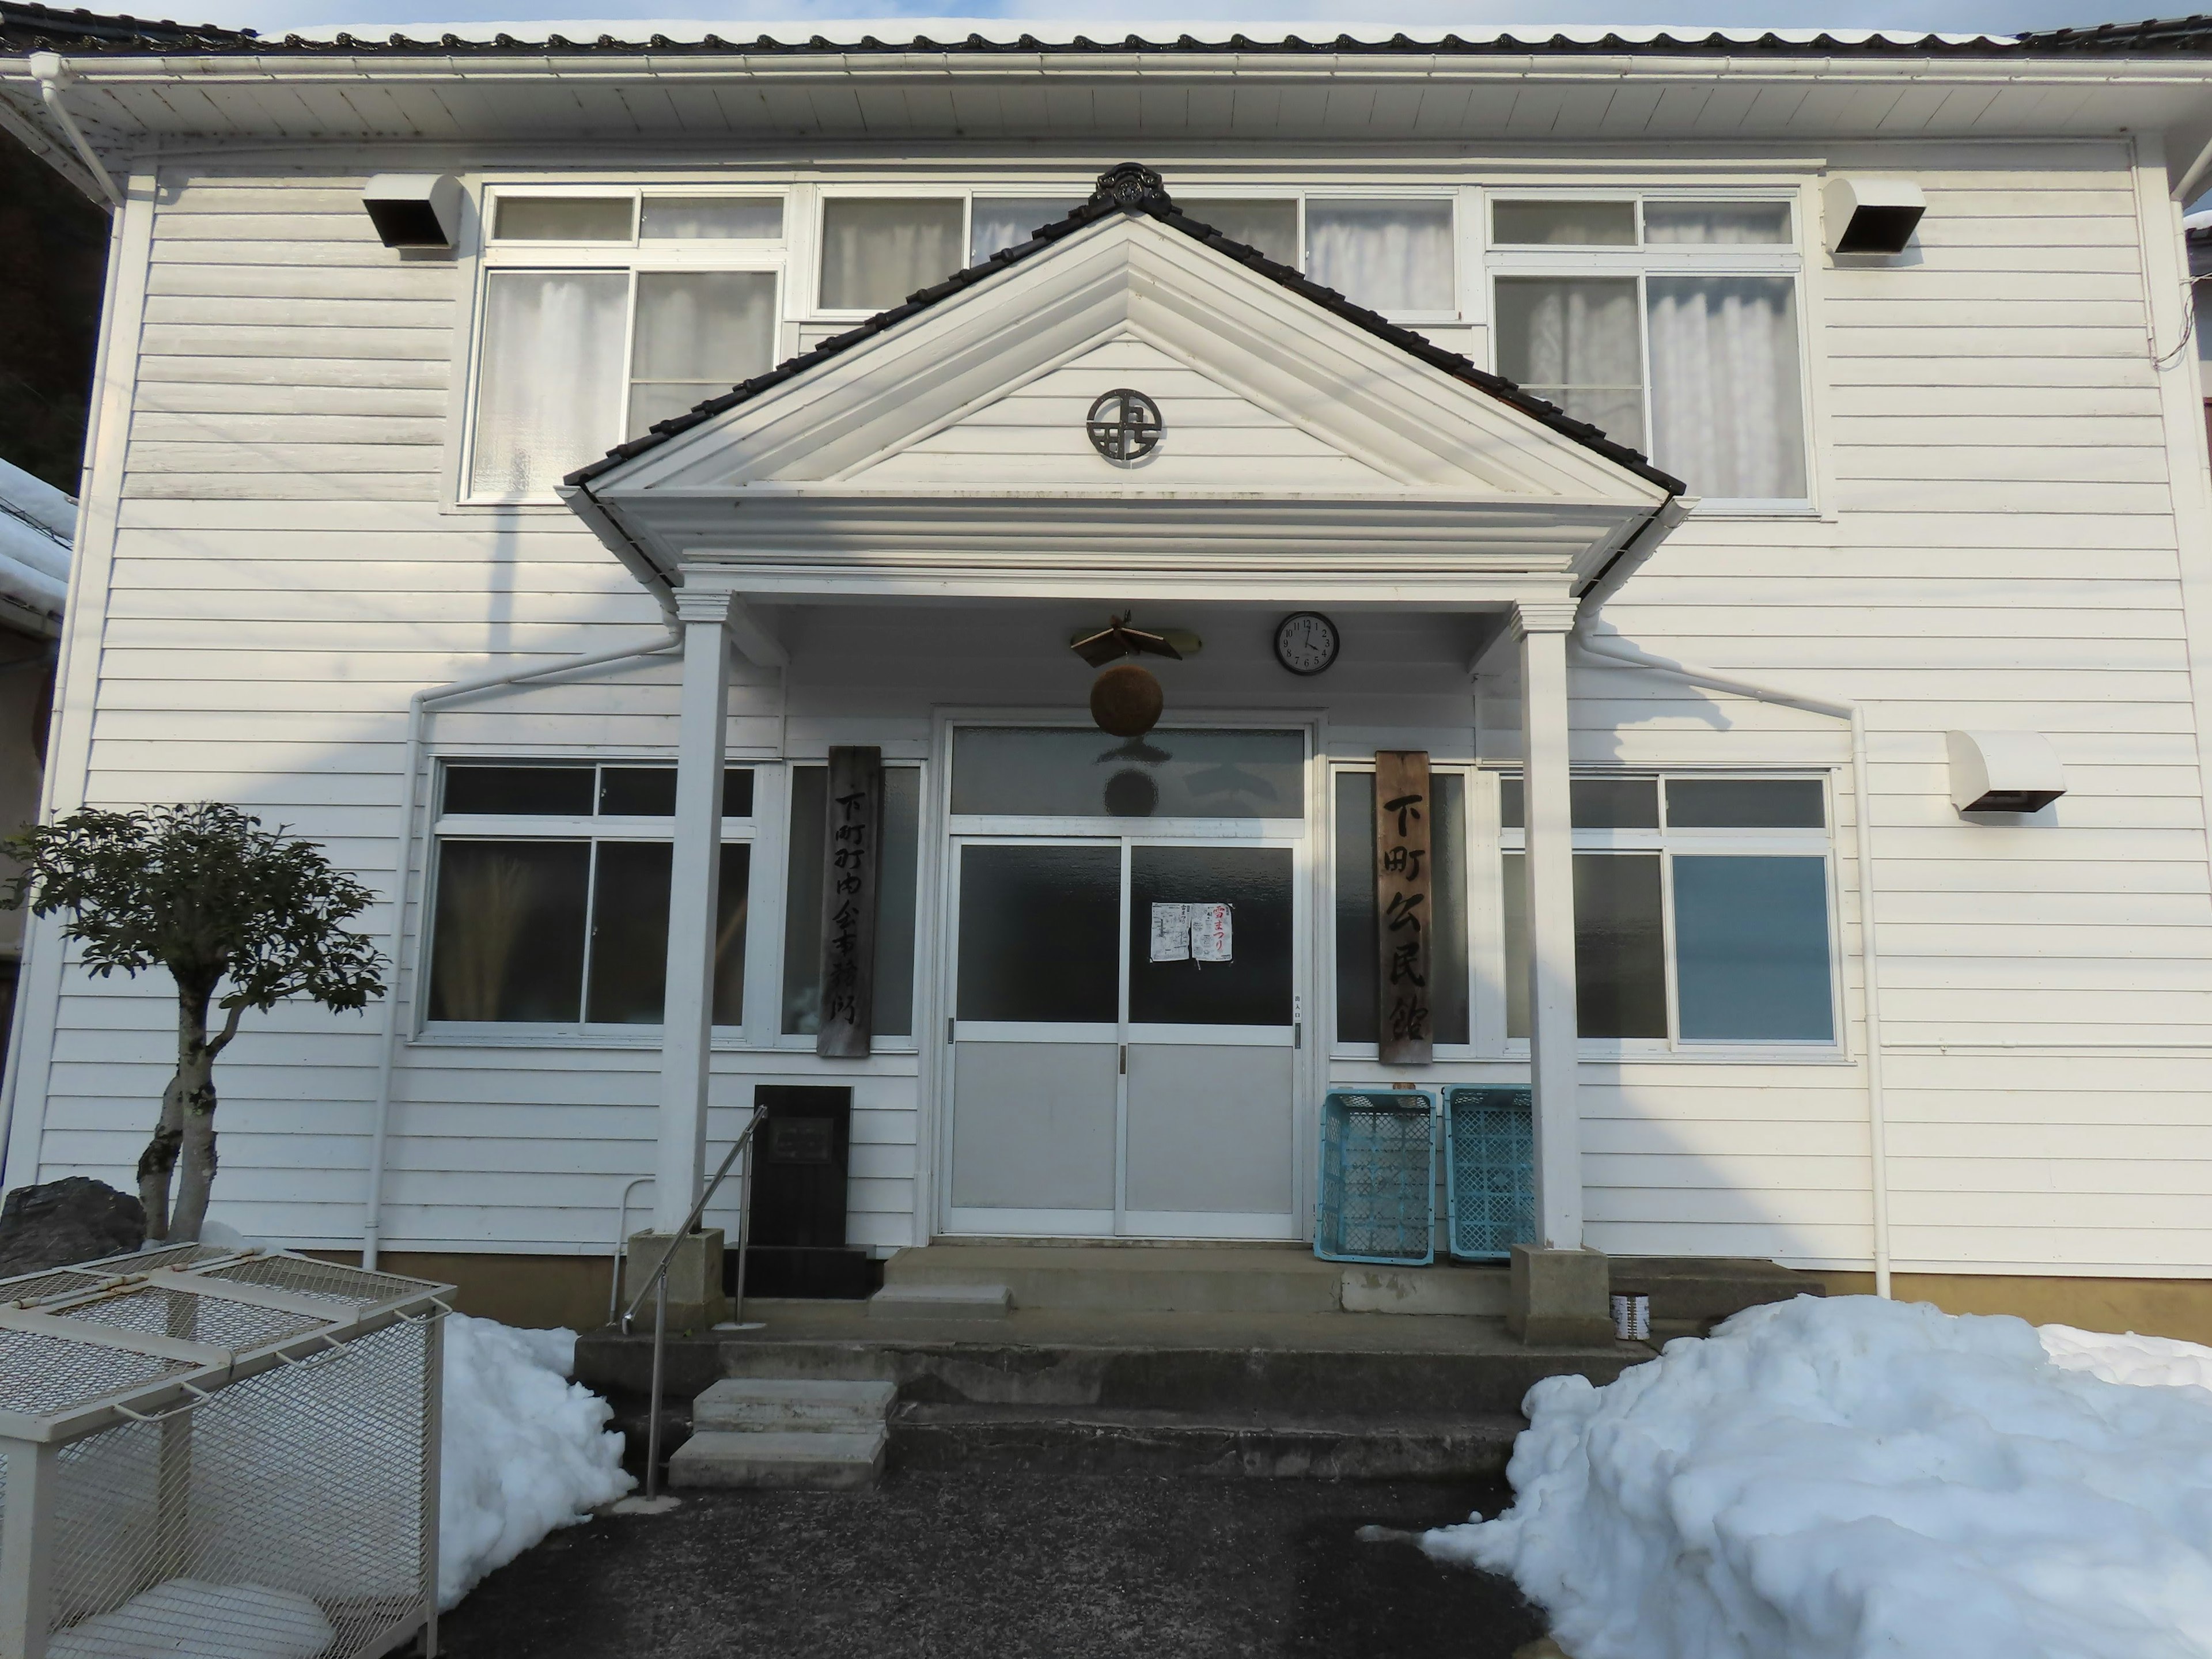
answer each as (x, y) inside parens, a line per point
(1124, 1045)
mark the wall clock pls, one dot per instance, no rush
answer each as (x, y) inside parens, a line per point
(1306, 642)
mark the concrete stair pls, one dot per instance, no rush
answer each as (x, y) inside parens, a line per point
(810, 1433)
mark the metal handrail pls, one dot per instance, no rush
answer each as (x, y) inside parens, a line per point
(622, 1247)
(658, 1284)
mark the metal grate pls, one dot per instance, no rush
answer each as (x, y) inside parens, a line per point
(196, 1317)
(62, 1283)
(40, 1374)
(1490, 1171)
(268, 1504)
(1378, 1173)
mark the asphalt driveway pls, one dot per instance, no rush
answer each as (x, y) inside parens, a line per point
(992, 1565)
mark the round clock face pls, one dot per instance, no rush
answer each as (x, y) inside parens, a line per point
(1306, 642)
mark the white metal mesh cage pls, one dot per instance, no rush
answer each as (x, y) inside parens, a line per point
(210, 1454)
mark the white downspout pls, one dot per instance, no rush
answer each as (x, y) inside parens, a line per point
(418, 708)
(1613, 648)
(52, 75)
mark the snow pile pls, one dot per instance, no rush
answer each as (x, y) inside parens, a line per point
(185, 1619)
(1847, 1477)
(523, 1450)
(2143, 1362)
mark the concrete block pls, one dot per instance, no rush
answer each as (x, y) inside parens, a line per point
(696, 1299)
(812, 1460)
(941, 1302)
(1559, 1297)
(1462, 1293)
(794, 1405)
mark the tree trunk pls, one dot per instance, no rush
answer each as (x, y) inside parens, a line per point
(193, 1088)
(160, 1158)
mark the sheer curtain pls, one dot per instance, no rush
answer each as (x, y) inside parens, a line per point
(549, 392)
(1001, 221)
(1388, 256)
(878, 250)
(1726, 413)
(1574, 341)
(699, 333)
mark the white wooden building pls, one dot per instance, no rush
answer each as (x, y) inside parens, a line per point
(1695, 713)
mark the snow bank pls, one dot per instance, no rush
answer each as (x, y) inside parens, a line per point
(1848, 1477)
(185, 1619)
(524, 1450)
(2143, 1362)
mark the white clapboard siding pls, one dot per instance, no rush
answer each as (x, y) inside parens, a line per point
(1995, 548)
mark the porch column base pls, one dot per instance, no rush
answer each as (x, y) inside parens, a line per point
(696, 1299)
(1559, 1297)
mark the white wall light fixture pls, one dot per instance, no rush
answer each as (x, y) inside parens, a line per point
(413, 210)
(1871, 215)
(2003, 771)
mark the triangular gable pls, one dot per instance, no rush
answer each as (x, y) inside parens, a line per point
(1377, 406)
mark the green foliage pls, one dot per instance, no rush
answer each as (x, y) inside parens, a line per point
(206, 892)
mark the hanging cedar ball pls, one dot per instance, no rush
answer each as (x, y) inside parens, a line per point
(1126, 700)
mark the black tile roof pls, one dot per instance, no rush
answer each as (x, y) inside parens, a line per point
(27, 28)
(1132, 187)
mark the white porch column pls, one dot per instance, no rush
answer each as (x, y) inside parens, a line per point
(1541, 629)
(693, 900)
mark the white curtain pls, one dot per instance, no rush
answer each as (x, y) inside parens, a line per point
(1726, 412)
(698, 334)
(996, 223)
(549, 390)
(875, 250)
(1392, 257)
(1574, 341)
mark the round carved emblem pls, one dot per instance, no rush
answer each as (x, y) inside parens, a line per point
(1124, 425)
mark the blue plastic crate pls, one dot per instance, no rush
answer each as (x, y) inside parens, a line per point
(1490, 1171)
(1378, 1177)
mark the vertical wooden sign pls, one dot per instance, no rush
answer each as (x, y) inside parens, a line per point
(1404, 905)
(852, 830)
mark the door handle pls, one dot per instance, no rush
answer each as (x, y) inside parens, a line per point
(1297, 1034)
(1125, 1060)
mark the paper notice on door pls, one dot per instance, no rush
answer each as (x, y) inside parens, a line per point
(1210, 936)
(1171, 932)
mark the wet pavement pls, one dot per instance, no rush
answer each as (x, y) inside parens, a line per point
(992, 1565)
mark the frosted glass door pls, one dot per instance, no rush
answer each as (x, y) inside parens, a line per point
(1212, 938)
(1036, 1037)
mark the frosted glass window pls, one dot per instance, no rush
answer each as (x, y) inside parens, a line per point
(1727, 414)
(563, 219)
(711, 219)
(1270, 225)
(699, 333)
(1751, 948)
(1564, 224)
(549, 385)
(1387, 256)
(1746, 804)
(1717, 223)
(896, 877)
(1078, 772)
(876, 250)
(1575, 341)
(1620, 948)
(1002, 222)
(1357, 949)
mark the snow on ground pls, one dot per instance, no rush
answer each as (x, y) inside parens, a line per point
(524, 1450)
(1849, 1477)
(185, 1619)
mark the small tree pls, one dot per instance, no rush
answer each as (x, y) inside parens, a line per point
(226, 906)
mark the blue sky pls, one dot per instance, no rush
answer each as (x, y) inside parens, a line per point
(1994, 16)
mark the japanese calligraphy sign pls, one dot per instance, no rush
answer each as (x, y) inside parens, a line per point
(1405, 906)
(1194, 932)
(852, 831)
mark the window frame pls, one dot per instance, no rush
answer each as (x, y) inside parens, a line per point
(1644, 260)
(1667, 843)
(637, 256)
(590, 829)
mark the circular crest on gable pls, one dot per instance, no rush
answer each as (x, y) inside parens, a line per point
(1124, 425)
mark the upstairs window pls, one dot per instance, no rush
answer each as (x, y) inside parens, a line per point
(878, 250)
(995, 222)
(1670, 326)
(603, 314)
(1391, 254)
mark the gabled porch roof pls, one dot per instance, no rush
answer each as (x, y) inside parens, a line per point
(1310, 447)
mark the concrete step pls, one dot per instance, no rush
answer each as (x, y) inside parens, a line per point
(1073, 1440)
(1134, 1278)
(818, 1460)
(935, 1300)
(792, 1404)
(1477, 1292)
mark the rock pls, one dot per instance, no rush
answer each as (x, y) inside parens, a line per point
(74, 1219)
